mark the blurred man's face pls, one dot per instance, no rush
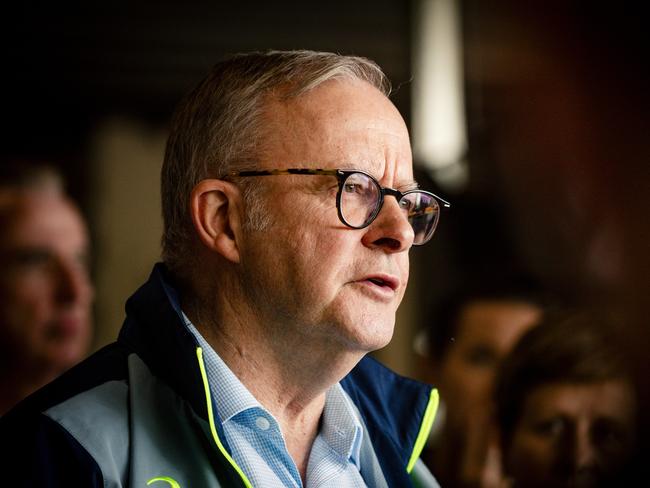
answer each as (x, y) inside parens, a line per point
(575, 435)
(45, 293)
(330, 286)
(486, 332)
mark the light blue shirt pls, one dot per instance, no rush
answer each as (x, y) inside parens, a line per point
(258, 446)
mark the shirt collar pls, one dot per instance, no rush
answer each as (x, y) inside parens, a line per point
(341, 428)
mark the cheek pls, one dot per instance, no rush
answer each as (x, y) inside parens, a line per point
(23, 324)
(300, 258)
(461, 376)
(532, 454)
(403, 264)
(33, 285)
(318, 251)
(28, 297)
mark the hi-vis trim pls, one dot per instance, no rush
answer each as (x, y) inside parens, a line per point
(172, 482)
(213, 429)
(425, 428)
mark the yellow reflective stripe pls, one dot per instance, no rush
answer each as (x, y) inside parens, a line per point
(172, 482)
(213, 429)
(425, 428)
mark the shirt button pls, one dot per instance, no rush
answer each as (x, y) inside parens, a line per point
(262, 423)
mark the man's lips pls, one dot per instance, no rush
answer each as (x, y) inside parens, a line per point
(65, 326)
(382, 281)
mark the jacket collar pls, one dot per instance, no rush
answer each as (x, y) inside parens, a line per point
(155, 331)
(393, 409)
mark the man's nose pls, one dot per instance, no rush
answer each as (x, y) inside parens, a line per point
(585, 452)
(73, 283)
(391, 230)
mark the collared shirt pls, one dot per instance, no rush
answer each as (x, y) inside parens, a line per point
(258, 446)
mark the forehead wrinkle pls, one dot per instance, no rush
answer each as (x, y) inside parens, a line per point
(412, 185)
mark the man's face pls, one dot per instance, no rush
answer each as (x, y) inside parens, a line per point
(325, 283)
(45, 293)
(576, 435)
(485, 333)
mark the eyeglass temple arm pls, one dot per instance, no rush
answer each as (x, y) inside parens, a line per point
(398, 194)
(296, 171)
(444, 202)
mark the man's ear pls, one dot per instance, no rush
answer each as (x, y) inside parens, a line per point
(214, 206)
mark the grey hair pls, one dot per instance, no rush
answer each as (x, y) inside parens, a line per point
(218, 128)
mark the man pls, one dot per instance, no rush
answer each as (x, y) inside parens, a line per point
(241, 361)
(45, 292)
(566, 406)
(467, 338)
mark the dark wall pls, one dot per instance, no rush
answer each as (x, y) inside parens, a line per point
(65, 67)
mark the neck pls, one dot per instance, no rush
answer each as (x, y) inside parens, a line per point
(287, 375)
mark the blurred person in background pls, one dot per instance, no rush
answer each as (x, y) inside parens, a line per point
(564, 88)
(45, 291)
(467, 337)
(565, 405)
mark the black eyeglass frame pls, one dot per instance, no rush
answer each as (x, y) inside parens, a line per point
(341, 176)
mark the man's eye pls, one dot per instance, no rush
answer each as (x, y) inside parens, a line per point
(353, 188)
(406, 204)
(609, 434)
(32, 258)
(553, 427)
(481, 357)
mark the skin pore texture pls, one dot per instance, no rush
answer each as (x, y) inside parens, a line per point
(45, 292)
(296, 299)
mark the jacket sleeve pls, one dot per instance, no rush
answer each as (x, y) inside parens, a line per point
(35, 451)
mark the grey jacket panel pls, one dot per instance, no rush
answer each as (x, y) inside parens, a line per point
(164, 440)
(98, 419)
(138, 433)
(422, 477)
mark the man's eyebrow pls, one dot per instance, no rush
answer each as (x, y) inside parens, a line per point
(412, 185)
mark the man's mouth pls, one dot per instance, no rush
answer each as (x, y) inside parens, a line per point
(385, 282)
(377, 281)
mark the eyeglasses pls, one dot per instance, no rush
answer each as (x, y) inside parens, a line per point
(360, 198)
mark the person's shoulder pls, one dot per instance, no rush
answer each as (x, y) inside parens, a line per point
(92, 387)
(65, 427)
(36, 451)
(88, 384)
(107, 365)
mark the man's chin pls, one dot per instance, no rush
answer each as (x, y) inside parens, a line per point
(587, 478)
(62, 358)
(370, 341)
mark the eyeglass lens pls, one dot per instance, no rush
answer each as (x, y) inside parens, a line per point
(360, 200)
